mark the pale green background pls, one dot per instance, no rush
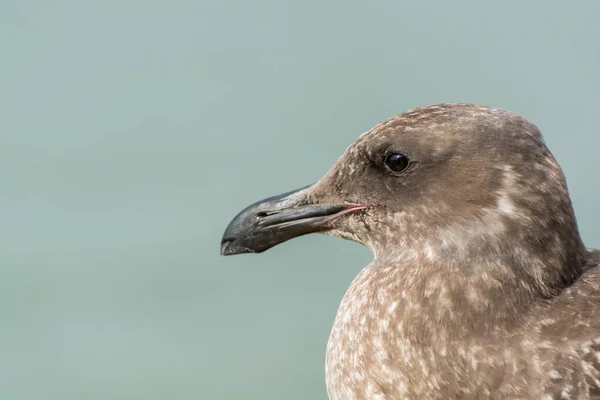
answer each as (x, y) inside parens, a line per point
(132, 132)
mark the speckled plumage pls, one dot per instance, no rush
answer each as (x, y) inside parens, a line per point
(480, 286)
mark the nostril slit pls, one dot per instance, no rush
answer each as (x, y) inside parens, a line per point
(264, 214)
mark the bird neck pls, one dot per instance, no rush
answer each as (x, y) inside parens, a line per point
(440, 299)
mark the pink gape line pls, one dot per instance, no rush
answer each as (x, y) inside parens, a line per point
(351, 208)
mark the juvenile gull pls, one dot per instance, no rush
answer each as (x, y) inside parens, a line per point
(480, 286)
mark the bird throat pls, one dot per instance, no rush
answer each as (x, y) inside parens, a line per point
(431, 296)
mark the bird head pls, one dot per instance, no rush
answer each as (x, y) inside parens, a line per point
(453, 180)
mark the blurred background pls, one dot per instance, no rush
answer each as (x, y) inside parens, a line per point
(132, 132)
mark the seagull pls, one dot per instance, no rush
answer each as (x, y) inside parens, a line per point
(480, 284)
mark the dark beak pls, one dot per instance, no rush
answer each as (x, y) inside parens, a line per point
(269, 222)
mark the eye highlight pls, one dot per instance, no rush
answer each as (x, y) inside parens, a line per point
(397, 162)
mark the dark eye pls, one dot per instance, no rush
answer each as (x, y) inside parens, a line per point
(397, 162)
